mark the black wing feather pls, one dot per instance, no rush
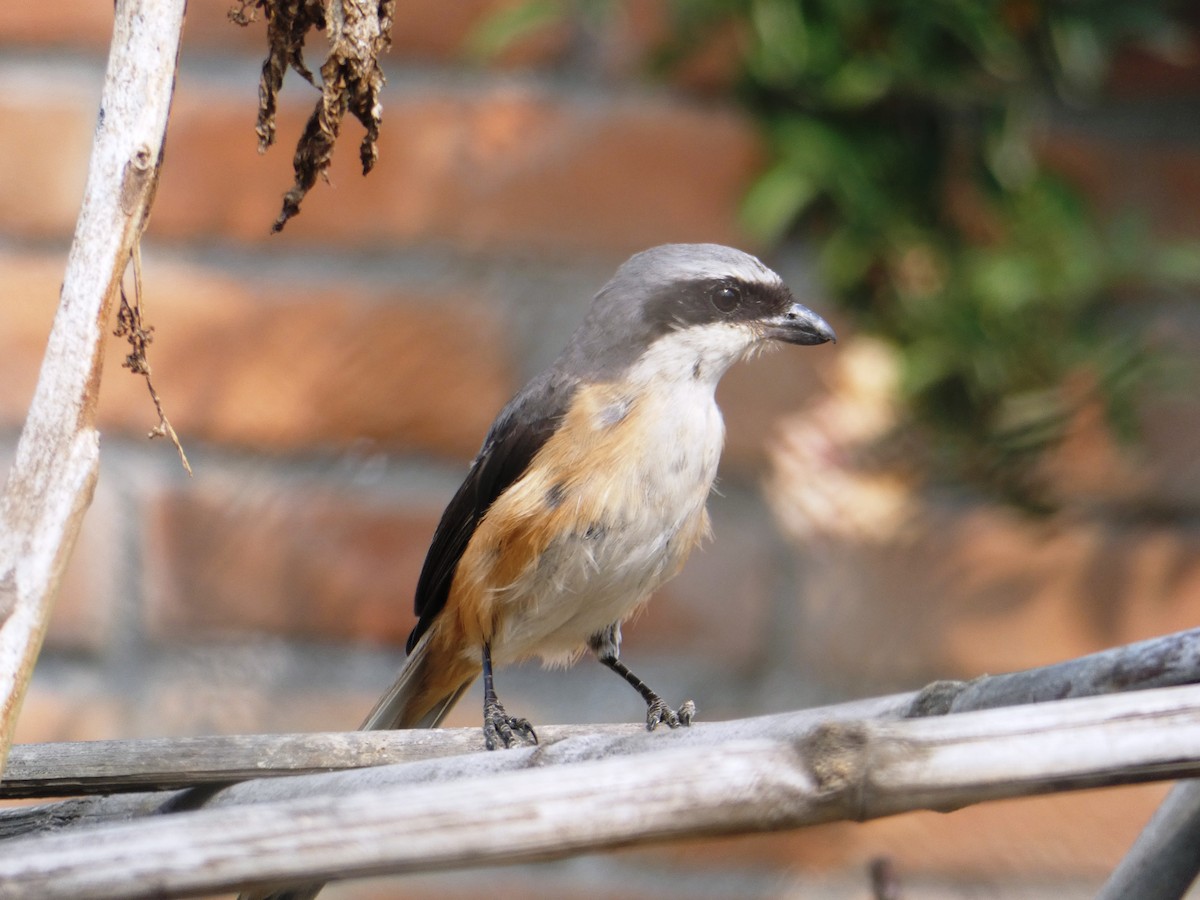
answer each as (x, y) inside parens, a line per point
(516, 437)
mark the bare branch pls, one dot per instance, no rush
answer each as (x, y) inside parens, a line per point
(1165, 859)
(41, 770)
(432, 755)
(102, 767)
(690, 787)
(1157, 662)
(54, 472)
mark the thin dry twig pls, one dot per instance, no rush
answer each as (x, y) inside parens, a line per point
(131, 326)
(358, 31)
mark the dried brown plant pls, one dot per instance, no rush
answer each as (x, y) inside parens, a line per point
(358, 32)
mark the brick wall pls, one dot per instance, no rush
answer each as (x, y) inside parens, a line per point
(331, 383)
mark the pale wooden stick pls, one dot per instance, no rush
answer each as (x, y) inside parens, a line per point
(1164, 860)
(45, 770)
(837, 770)
(106, 766)
(54, 473)
(1157, 662)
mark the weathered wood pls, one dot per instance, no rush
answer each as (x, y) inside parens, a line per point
(102, 766)
(1158, 662)
(54, 472)
(45, 770)
(835, 770)
(1165, 859)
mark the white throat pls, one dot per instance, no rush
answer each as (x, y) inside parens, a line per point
(699, 355)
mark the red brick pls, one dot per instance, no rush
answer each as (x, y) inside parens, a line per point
(307, 562)
(203, 693)
(78, 23)
(634, 33)
(44, 145)
(424, 30)
(504, 168)
(1158, 468)
(1089, 467)
(50, 714)
(967, 592)
(279, 367)
(213, 699)
(28, 299)
(1065, 590)
(85, 609)
(941, 590)
(432, 30)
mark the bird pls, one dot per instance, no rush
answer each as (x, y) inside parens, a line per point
(590, 490)
(591, 486)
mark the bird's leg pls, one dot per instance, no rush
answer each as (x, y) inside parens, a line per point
(606, 645)
(499, 728)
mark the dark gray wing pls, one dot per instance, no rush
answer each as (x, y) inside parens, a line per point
(517, 435)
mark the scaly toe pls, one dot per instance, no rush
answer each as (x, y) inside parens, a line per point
(503, 730)
(687, 712)
(658, 713)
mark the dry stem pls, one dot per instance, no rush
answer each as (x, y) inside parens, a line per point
(131, 326)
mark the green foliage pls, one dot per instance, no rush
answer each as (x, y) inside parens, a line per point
(508, 25)
(902, 140)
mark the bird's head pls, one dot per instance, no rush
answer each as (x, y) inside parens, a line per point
(690, 310)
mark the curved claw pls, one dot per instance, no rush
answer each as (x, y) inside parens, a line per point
(658, 713)
(502, 730)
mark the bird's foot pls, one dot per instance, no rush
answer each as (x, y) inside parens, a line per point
(502, 730)
(658, 713)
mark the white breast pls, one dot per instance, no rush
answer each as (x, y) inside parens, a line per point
(649, 502)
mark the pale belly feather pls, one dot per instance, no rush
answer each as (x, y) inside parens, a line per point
(636, 520)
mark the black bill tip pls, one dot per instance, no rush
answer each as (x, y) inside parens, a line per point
(800, 325)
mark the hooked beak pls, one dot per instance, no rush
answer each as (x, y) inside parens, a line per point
(799, 325)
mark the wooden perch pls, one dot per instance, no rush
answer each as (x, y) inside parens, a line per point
(48, 770)
(704, 782)
(1164, 860)
(54, 473)
(41, 770)
(1157, 662)
(428, 756)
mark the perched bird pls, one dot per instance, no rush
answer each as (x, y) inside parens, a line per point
(590, 489)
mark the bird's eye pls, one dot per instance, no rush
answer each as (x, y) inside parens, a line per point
(727, 298)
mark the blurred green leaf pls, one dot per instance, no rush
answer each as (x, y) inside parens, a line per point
(903, 142)
(507, 26)
(777, 200)
(1178, 263)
